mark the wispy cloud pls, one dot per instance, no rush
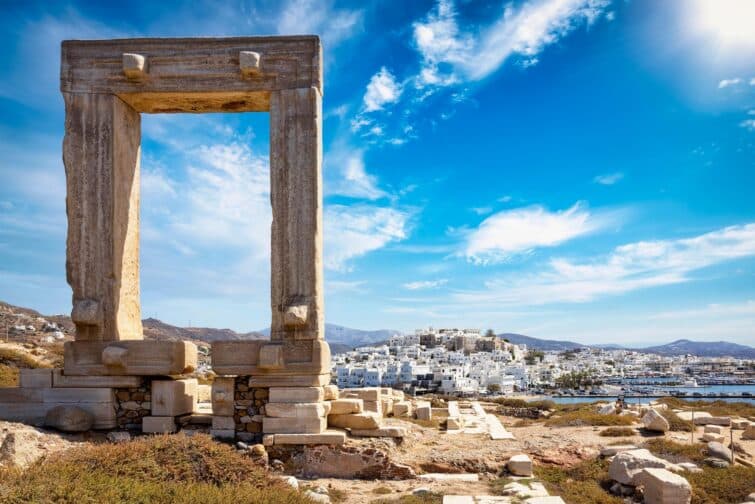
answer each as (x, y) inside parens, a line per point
(382, 89)
(630, 267)
(608, 178)
(302, 17)
(729, 82)
(748, 124)
(425, 284)
(353, 231)
(347, 174)
(746, 308)
(521, 230)
(524, 31)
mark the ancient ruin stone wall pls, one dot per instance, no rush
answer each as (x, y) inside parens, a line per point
(132, 404)
(249, 408)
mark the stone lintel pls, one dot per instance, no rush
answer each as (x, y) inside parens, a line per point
(61, 380)
(142, 358)
(192, 65)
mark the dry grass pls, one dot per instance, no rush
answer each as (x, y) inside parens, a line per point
(163, 469)
(8, 376)
(429, 498)
(582, 417)
(11, 360)
(719, 486)
(618, 432)
(675, 452)
(675, 423)
(584, 483)
(715, 408)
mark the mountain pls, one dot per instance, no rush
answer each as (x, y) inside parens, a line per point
(540, 344)
(159, 330)
(702, 348)
(343, 338)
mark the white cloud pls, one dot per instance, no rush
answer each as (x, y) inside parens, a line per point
(524, 30)
(517, 231)
(425, 284)
(381, 90)
(608, 178)
(353, 231)
(481, 210)
(627, 268)
(748, 124)
(746, 308)
(729, 82)
(304, 17)
(347, 174)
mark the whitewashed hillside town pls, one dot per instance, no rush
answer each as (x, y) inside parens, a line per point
(465, 361)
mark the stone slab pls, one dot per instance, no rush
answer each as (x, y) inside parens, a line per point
(174, 397)
(465, 477)
(295, 410)
(711, 420)
(243, 358)
(223, 423)
(345, 406)
(223, 390)
(327, 437)
(393, 432)
(458, 499)
(35, 378)
(331, 392)
(295, 394)
(423, 410)
(664, 487)
(496, 430)
(402, 409)
(551, 499)
(30, 405)
(223, 434)
(366, 394)
(293, 425)
(158, 425)
(141, 358)
(362, 421)
(290, 381)
(374, 407)
(61, 380)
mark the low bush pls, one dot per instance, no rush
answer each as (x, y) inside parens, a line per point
(675, 452)
(715, 408)
(584, 483)
(583, 417)
(162, 469)
(513, 402)
(618, 432)
(428, 498)
(675, 423)
(719, 486)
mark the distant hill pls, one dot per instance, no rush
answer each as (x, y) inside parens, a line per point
(159, 330)
(347, 338)
(702, 348)
(540, 344)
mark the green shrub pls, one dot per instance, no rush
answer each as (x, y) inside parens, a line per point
(162, 469)
(618, 432)
(584, 483)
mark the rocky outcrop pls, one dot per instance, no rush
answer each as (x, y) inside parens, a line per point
(343, 461)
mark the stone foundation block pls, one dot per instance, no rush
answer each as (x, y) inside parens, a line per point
(331, 392)
(223, 423)
(367, 394)
(174, 397)
(293, 425)
(402, 409)
(713, 429)
(387, 405)
(346, 406)
(424, 410)
(327, 437)
(296, 410)
(35, 378)
(374, 407)
(711, 420)
(363, 421)
(296, 394)
(455, 423)
(223, 434)
(223, 390)
(392, 432)
(134, 357)
(520, 465)
(158, 425)
(61, 380)
(308, 380)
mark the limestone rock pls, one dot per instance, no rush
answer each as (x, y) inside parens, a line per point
(715, 462)
(711, 420)
(664, 487)
(719, 451)
(625, 466)
(610, 451)
(608, 409)
(118, 436)
(713, 429)
(68, 418)
(520, 465)
(654, 421)
(346, 406)
(317, 497)
(360, 421)
(749, 432)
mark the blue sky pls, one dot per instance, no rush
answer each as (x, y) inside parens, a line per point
(576, 169)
